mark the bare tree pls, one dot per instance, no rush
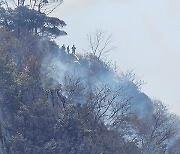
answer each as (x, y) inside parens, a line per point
(73, 88)
(108, 104)
(100, 43)
(153, 136)
(131, 76)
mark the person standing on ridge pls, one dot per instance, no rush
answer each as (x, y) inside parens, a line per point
(73, 49)
(68, 50)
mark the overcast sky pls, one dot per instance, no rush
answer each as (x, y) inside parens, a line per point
(146, 34)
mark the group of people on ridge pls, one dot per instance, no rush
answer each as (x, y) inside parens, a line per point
(63, 48)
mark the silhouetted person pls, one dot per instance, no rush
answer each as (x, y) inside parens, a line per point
(68, 50)
(73, 49)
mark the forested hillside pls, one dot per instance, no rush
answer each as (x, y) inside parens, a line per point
(55, 102)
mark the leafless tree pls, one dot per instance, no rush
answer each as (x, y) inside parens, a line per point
(108, 104)
(153, 136)
(131, 76)
(73, 88)
(100, 43)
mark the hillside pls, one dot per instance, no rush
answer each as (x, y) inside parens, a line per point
(55, 102)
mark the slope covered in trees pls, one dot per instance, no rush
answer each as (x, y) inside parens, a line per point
(55, 102)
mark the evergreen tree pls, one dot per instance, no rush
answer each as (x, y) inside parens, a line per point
(23, 18)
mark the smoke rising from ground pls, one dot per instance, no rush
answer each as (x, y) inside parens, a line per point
(93, 74)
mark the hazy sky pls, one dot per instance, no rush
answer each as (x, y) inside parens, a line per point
(146, 34)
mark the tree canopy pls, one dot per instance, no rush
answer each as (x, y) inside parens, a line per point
(25, 18)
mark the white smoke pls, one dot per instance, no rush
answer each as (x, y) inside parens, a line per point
(95, 73)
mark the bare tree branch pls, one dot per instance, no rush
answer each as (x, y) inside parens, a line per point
(100, 43)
